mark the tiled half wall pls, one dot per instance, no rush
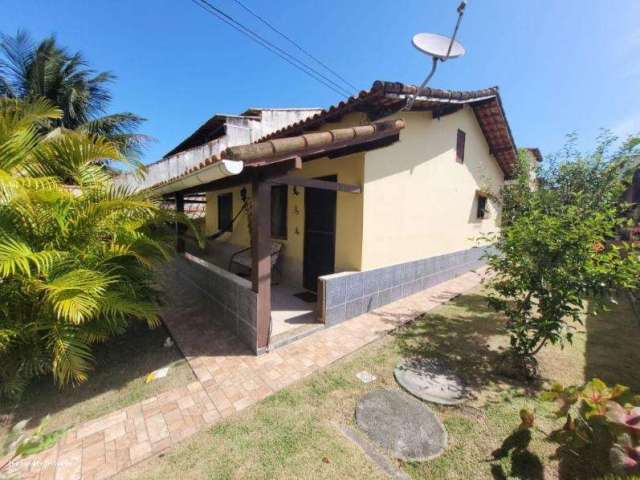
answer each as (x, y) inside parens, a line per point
(346, 295)
(225, 297)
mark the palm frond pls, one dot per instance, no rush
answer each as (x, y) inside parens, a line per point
(75, 296)
(46, 69)
(74, 156)
(150, 251)
(76, 251)
(17, 257)
(118, 305)
(17, 53)
(6, 336)
(16, 150)
(121, 129)
(20, 113)
(12, 185)
(72, 358)
(103, 328)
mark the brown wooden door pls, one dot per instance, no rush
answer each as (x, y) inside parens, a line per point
(319, 234)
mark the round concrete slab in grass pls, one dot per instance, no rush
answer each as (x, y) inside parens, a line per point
(402, 425)
(430, 380)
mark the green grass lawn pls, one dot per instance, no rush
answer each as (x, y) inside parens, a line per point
(294, 434)
(118, 381)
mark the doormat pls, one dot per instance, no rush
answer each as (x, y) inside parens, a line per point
(308, 297)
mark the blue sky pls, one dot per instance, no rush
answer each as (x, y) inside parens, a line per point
(561, 65)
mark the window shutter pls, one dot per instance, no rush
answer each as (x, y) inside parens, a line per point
(225, 212)
(279, 195)
(460, 146)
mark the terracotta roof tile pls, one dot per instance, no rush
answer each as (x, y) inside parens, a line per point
(294, 146)
(382, 99)
(298, 145)
(387, 98)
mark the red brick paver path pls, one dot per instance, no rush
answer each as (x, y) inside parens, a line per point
(229, 379)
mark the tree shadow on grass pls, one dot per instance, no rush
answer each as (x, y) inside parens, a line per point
(583, 463)
(525, 465)
(120, 361)
(613, 347)
(465, 335)
(611, 354)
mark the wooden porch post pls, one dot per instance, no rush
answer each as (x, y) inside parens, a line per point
(179, 235)
(261, 256)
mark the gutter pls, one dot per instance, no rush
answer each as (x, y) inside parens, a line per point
(454, 101)
(215, 171)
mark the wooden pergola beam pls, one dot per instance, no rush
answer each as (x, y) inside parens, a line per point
(334, 148)
(261, 257)
(261, 242)
(313, 183)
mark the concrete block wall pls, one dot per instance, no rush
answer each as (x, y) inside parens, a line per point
(226, 298)
(346, 295)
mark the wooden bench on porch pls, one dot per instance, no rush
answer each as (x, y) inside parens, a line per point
(243, 259)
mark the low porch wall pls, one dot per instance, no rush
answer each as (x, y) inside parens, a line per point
(346, 295)
(226, 298)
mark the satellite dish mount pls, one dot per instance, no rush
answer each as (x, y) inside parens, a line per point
(439, 48)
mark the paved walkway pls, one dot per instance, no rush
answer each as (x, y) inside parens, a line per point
(229, 379)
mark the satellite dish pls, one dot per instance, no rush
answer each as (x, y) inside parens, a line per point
(437, 46)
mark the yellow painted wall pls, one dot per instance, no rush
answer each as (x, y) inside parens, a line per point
(418, 201)
(348, 216)
(240, 234)
(348, 169)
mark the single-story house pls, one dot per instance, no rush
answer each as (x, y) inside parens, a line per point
(345, 210)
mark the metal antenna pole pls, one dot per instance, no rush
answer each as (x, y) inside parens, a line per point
(460, 10)
(411, 100)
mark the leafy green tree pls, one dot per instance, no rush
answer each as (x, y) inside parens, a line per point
(47, 70)
(76, 258)
(556, 252)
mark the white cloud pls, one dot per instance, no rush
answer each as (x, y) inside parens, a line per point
(627, 126)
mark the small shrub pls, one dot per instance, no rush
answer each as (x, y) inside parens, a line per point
(593, 411)
(555, 253)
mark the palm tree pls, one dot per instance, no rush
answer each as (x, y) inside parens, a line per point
(47, 70)
(75, 261)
